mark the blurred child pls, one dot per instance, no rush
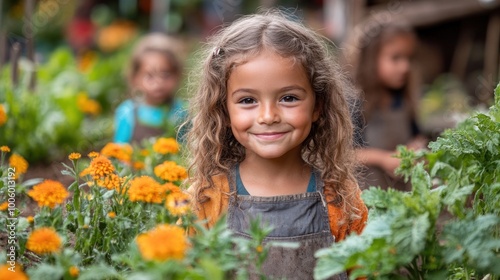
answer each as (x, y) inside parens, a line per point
(382, 61)
(271, 137)
(154, 74)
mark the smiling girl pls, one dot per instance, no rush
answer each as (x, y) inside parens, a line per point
(271, 137)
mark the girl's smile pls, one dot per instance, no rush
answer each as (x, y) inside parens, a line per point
(271, 105)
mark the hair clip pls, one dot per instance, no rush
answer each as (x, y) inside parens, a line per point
(217, 52)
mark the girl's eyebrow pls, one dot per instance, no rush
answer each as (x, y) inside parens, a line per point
(283, 89)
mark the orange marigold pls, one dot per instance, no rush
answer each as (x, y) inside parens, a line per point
(5, 149)
(170, 171)
(146, 189)
(19, 164)
(100, 166)
(178, 203)
(4, 206)
(139, 165)
(30, 219)
(44, 241)
(163, 243)
(111, 182)
(166, 145)
(93, 154)
(12, 272)
(49, 193)
(112, 214)
(74, 156)
(3, 115)
(121, 152)
(86, 105)
(74, 271)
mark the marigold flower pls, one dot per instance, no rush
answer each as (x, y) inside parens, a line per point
(170, 171)
(48, 193)
(3, 115)
(4, 206)
(178, 203)
(44, 241)
(16, 274)
(100, 166)
(163, 243)
(121, 152)
(111, 182)
(166, 145)
(74, 271)
(19, 164)
(146, 189)
(144, 152)
(171, 188)
(112, 215)
(5, 149)
(93, 154)
(30, 219)
(86, 105)
(74, 156)
(138, 165)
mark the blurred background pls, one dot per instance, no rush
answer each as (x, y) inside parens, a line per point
(62, 62)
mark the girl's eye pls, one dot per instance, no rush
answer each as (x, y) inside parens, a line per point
(246, 100)
(289, 98)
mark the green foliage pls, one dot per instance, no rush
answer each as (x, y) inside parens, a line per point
(406, 236)
(48, 123)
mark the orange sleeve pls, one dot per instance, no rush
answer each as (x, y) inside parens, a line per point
(216, 203)
(341, 224)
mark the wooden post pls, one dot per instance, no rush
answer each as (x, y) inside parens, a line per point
(14, 60)
(30, 40)
(159, 14)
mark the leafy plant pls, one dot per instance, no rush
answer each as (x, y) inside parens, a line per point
(407, 236)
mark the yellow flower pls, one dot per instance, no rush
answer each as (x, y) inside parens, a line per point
(112, 215)
(74, 156)
(86, 105)
(138, 165)
(3, 115)
(111, 182)
(15, 274)
(259, 249)
(166, 145)
(48, 193)
(4, 206)
(86, 226)
(93, 154)
(44, 241)
(5, 149)
(146, 189)
(74, 271)
(30, 219)
(170, 171)
(163, 243)
(171, 188)
(100, 166)
(19, 164)
(178, 203)
(121, 152)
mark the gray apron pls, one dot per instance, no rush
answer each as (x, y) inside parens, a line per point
(299, 218)
(386, 130)
(142, 131)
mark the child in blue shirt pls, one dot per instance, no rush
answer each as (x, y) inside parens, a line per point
(154, 76)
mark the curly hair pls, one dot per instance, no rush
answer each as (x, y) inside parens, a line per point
(329, 146)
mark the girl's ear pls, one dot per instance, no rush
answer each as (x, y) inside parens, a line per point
(316, 113)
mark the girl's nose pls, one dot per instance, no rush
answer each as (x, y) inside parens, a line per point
(269, 114)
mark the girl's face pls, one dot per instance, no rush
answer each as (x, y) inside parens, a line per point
(155, 78)
(394, 61)
(271, 106)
